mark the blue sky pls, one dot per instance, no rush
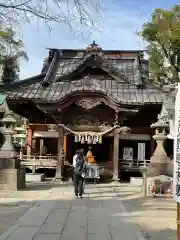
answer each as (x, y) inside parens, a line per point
(120, 21)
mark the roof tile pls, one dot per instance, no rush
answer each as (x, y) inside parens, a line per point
(126, 93)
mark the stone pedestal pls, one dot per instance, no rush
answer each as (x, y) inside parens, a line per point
(12, 176)
(12, 179)
(155, 169)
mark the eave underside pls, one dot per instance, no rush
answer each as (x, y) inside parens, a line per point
(49, 114)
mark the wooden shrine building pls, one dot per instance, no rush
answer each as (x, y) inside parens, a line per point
(89, 97)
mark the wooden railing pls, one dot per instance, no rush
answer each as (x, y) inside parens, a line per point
(135, 163)
(50, 161)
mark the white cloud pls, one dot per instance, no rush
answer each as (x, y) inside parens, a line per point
(118, 27)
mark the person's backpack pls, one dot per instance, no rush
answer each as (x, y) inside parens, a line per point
(79, 167)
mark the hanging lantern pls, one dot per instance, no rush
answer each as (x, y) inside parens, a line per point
(100, 139)
(82, 139)
(97, 139)
(94, 139)
(76, 138)
(79, 137)
(89, 139)
(86, 137)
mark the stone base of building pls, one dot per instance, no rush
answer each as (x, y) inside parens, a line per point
(156, 169)
(115, 179)
(37, 177)
(136, 181)
(12, 179)
(9, 163)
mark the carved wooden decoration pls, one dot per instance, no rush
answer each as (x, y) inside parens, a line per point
(88, 103)
(87, 119)
(93, 47)
(86, 80)
(124, 130)
(89, 81)
(116, 118)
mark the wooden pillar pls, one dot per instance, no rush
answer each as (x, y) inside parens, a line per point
(144, 183)
(178, 221)
(29, 140)
(116, 156)
(152, 146)
(65, 145)
(41, 146)
(60, 155)
(110, 162)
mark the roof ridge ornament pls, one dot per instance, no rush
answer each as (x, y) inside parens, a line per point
(93, 48)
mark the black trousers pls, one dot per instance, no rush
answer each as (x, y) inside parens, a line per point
(78, 185)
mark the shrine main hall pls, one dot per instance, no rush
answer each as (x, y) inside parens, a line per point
(100, 100)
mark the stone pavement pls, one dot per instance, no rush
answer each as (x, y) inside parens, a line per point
(100, 215)
(156, 217)
(13, 204)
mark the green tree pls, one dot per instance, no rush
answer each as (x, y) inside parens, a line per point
(162, 36)
(11, 54)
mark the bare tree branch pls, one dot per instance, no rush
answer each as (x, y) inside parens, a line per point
(84, 13)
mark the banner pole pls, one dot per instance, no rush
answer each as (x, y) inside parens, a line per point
(178, 221)
(176, 158)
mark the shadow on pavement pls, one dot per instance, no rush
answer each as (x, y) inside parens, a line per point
(86, 215)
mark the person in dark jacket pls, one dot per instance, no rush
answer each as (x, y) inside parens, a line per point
(79, 170)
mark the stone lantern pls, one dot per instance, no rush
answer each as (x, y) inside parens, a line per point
(12, 175)
(160, 162)
(20, 139)
(8, 124)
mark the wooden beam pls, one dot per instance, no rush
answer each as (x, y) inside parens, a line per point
(116, 156)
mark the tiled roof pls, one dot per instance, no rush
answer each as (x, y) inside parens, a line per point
(119, 92)
(22, 84)
(123, 68)
(169, 104)
(122, 84)
(67, 66)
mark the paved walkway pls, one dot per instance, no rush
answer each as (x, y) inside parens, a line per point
(14, 204)
(155, 216)
(100, 215)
